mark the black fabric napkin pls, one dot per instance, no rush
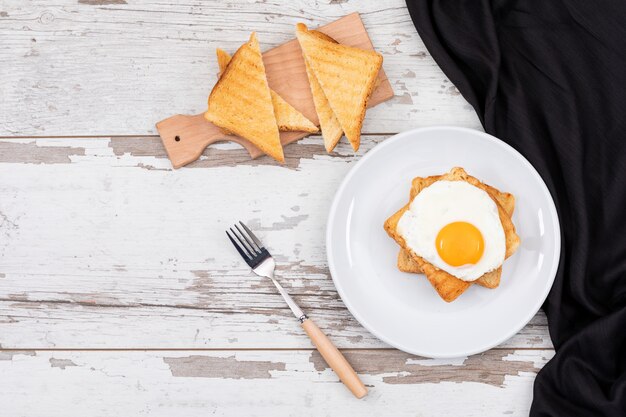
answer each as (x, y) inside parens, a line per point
(549, 78)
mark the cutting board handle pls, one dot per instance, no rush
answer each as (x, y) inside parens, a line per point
(186, 137)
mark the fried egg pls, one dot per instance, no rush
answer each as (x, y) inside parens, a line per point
(456, 227)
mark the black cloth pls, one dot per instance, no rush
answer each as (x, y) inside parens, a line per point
(549, 78)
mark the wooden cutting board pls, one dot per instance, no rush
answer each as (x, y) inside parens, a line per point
(186, 137)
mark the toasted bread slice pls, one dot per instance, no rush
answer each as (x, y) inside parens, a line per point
(347, 76)
(448, 286)
(407, 264)
(241, 101)
(331, 129)
(223, 58)
(506, 200)
(322, 36)
(287, 117)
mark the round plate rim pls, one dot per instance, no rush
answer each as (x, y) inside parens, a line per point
(390, 142)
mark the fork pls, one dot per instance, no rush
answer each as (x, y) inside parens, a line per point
(259, 259)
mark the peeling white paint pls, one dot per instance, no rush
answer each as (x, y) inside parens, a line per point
(437, 362)
(539, 357)
(122, 383)
(109, 247)
(125, 91)
(74, 224)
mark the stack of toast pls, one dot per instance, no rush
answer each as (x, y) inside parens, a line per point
(448, 286)
(341, 78)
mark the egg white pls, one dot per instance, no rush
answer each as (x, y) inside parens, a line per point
(445, 202)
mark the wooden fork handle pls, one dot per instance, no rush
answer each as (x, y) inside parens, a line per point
(334, 359)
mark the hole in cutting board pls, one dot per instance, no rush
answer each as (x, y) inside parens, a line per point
(177, 138)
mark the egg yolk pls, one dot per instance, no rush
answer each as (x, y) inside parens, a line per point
(460, 243)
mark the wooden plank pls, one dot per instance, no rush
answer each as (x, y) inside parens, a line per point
(90, 250)
(98, 67)
(92, 254)
(261, 383)
(94, 324)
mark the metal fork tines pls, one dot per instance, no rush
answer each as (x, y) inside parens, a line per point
(253, 252)
(259, 259)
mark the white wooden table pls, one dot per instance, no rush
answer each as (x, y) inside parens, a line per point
(119, 294)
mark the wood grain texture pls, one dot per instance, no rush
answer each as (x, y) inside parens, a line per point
(71, 68)
(91, 253)
(261, 383)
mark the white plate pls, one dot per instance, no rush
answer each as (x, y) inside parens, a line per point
(403, 309)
